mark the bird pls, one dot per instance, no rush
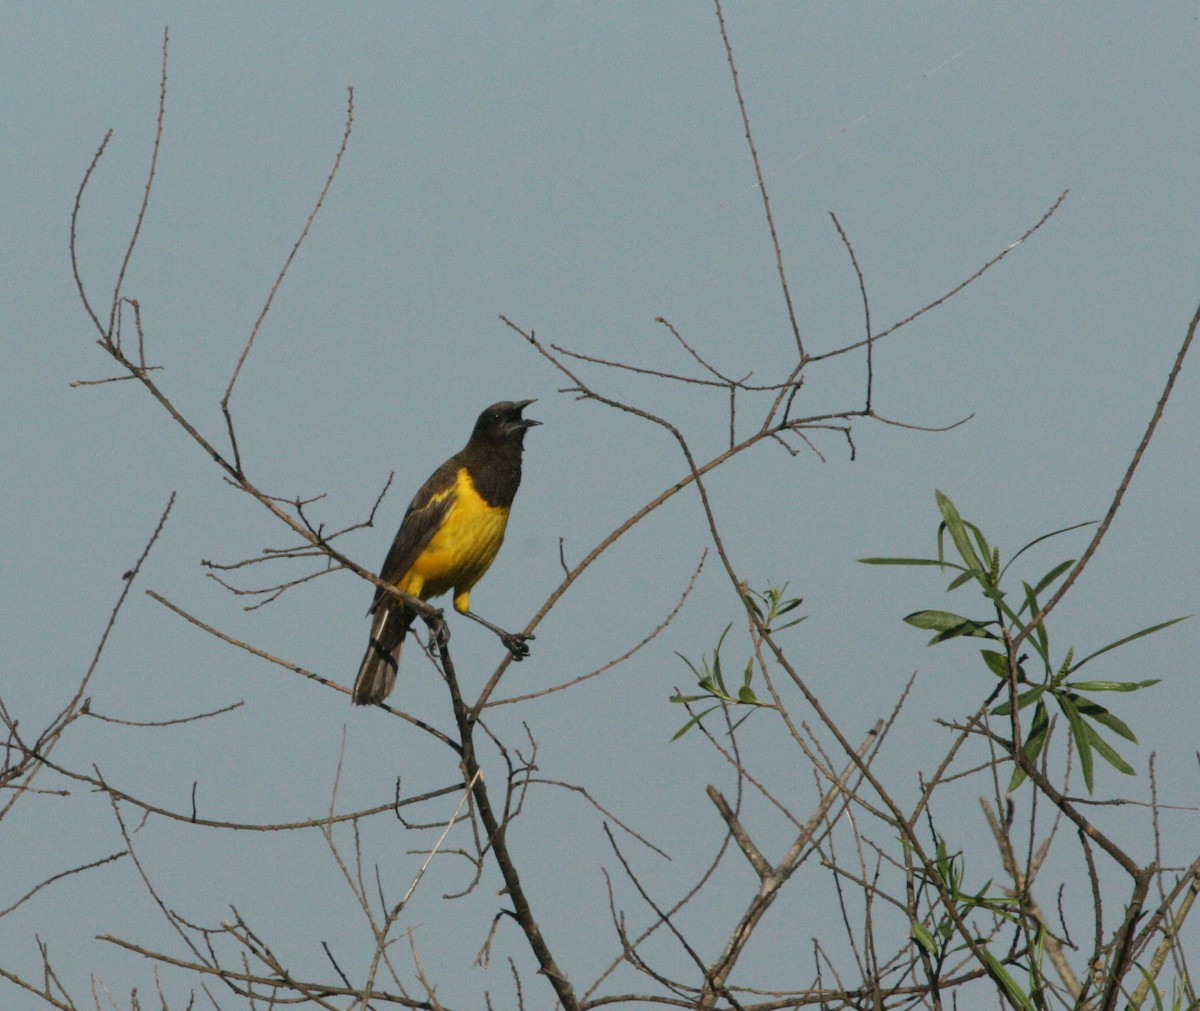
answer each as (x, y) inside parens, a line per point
(448, 538)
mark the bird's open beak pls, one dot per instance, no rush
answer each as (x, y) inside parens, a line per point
(527, 422)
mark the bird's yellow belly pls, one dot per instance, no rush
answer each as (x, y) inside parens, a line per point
(463, 547)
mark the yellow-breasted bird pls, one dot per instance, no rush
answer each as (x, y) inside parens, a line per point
(449, 536)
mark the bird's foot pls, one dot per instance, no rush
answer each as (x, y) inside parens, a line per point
(516, 643)
(439, 630)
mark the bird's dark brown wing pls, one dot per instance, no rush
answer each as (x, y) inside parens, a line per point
(426, 513)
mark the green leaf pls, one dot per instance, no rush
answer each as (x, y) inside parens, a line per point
(1096, 712)
(1111, 686)
(997, 662)
(1041, 636)
(920, 934)
(1109, 754)
(1066, 666)
(948, 625)
(744, 718)
(979, 898)
(908, 561)
(1044, 537)
(1152, 987)
(1014, 991)
(746, 694)
(958, 533)
(937, 621)
(1035, 740)
(1027, 696)
(1114, 723)
(691, 723)
(996, 596)
(1129, 638)
(1079, 733)
(1053, 574)
(975, 632)
(717, 679)
(689, 698)
(985, 549)
(965, 577)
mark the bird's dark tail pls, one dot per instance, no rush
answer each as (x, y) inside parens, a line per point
(377, 673)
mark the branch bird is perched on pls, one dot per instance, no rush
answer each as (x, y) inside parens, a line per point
(447, 539)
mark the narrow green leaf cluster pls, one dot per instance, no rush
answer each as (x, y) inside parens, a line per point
(772, 604)
(1009, 622)
(938, 937)
(769, 606)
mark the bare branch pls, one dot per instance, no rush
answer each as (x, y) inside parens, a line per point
(113, 330)
(59, 876)
(617, 660)
(337, 161)
(942, 299)
(762, 186)
(1102, 529)
(49, 738)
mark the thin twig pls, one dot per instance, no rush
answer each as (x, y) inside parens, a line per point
(942, 299)
(337, 161)
(49, 738)
(62, 874)
(146, 189)
(866, 302)
(1102, 529)
(163, 723)
(616, 660)
(295, 668)
(762, 186)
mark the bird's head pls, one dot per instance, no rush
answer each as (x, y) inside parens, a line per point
(502, 422)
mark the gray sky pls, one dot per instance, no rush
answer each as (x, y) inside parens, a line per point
(581, 169)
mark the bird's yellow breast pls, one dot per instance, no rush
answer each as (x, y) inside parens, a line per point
(461, 549)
